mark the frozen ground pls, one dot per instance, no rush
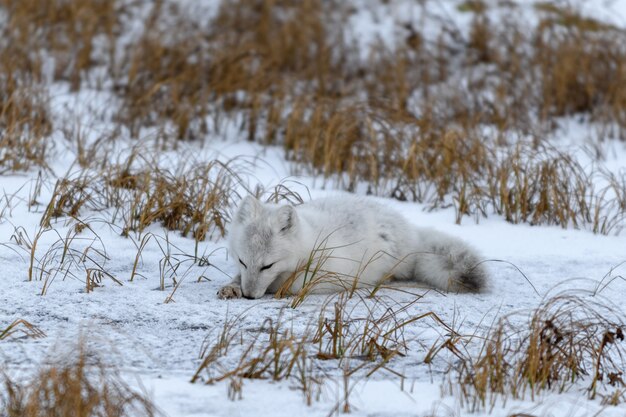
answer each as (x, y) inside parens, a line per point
(161, 342)
(158, 345)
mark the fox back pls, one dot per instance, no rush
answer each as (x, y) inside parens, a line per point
(343, 242)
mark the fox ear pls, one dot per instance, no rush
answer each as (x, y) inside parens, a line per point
(287, 218)
(249, 208)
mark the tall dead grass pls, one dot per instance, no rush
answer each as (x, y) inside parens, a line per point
(195, 201)
(21, 327)
(246, 59)
(24, 115)
(461, 120)
(45, 41)
(75, 35)
(274, 352)
(567, 341)
(356, 335)
(76, 388)
(462, 117)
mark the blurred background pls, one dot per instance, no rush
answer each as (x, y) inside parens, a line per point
(488, 105)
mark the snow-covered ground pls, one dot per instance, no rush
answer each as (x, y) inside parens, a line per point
(158, 344)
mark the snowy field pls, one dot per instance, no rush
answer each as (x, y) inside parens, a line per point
(160, 343)
(154, 313)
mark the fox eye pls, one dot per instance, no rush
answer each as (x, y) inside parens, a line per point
(267, 266)
(244, 265)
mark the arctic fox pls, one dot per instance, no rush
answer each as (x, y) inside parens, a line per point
(340, 243)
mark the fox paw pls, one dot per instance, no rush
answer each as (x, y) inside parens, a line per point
(229, 291)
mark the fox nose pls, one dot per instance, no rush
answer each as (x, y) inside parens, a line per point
(252, 295)
(251, 292)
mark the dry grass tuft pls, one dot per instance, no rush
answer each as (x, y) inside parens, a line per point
(567, 341)
(76, 255)
(195, 201)
(76, 34)
(377, 336)
(165, 81)
(246, 59)
(580, 80)
(24, 114)
(273, 352)
(21, 326)
(73, 389)
(357, 343)
(42, 41)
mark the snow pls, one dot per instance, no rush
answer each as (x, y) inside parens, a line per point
(145, 336)
(158, 345)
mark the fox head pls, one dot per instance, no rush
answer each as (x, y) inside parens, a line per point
(262, 240)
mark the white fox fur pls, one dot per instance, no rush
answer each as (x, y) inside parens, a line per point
(341, 242)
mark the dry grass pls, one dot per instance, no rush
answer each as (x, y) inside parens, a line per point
(581, 80)
(194, 201)
(77, 388)
(359, 337)
(24, 114)
(376, 337)
(43, 41)
(67, 38)
(401, 120)
(21, 327)
(251, 47)
(273, 352)
(79, 255)
(568, 341)
(77, 35)
(461, 118)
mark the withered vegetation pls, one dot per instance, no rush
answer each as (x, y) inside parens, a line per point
(567, 341)
(459, 118)
(77, 388)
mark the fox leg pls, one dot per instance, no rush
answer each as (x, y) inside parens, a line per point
(231, 290)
